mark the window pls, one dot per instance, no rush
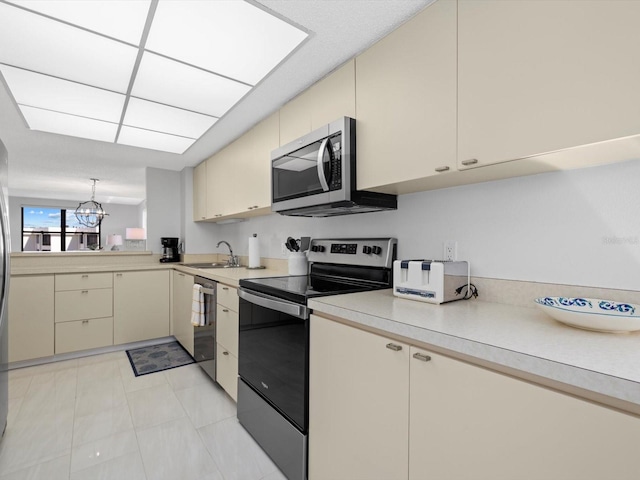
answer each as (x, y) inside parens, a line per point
(48, 229)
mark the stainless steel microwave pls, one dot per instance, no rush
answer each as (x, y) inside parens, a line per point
(315, 175)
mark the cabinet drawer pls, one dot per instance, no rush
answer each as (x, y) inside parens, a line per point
(84, 334)
(82, 281)
(227, 296)
(83, 304)
(227, 328)
(227, 371)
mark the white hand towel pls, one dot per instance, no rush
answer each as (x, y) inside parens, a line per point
(197, 306)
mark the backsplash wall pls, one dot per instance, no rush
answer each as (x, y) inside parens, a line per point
(579, 227)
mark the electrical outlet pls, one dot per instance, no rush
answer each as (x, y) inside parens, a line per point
(450, 250)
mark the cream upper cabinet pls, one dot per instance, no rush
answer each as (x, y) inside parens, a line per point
(329, 99)
(140, 305)
(181, 310)
(200, 192)
(31, 320)
(380, 408)
(470, 423)
(538, 76)
(218, 179)
(358, 404)
(406, 103)
(252, 164)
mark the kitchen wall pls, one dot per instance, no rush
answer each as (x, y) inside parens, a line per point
(578, 227)
(120, 217)
(163, 203)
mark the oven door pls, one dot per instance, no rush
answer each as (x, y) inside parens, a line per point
(274, 353)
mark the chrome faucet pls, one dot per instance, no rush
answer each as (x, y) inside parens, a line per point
(233, 259)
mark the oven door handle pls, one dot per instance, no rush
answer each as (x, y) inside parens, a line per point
(273, 303)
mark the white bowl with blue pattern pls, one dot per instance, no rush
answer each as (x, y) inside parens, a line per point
(592, 314)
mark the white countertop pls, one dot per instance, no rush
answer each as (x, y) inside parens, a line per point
(230, 276)
(525, 339)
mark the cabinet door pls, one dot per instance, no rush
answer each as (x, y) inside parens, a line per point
(334, 96)
(141, 306)
(227, 371)
(227, 296)
(327, 100)
(181, 318)
(83, 304)
(200, 192)
(470, 423)
(538, 76)
(227, 328)
(83, 334)
(218, 179)
(254, 165)
(31, 320)
(358, 404)
(406, 102)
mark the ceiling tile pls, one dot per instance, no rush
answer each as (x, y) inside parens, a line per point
(173, 83)
(162, 118)
(63, 51)
(51, 93)
(54, 122)
(121, 19)
(229, 37)
(138, 137)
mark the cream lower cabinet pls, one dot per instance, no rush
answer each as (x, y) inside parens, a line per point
(358, 404)
(83, 311)
(227, 330)
(377, 411)
(31, 321)
(141, 305)
(538, 76)
(181, 311)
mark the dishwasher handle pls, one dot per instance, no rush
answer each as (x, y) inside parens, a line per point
(274, 303)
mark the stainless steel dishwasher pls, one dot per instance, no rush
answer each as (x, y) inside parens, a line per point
(204, 338)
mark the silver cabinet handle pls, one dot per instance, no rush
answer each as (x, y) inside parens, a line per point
(394, 347)
(225, 353)
(85, 276)
(442, 169)
(422, 357)
(85, 291)
(225, 310)
(225, 288)
(471, 161)
(118, 274)
(85, 321)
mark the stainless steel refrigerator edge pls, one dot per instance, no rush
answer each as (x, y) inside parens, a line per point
(4, 288)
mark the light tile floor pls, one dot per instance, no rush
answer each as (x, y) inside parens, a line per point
(91, 418)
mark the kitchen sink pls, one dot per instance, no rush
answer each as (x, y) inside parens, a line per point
(211, 265)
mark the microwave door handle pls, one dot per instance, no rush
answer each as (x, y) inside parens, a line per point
(321, 176)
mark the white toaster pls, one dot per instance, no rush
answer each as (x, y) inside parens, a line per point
(433, 281)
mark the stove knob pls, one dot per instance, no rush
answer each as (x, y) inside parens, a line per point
(377, 250)
(321, 248)
(314, 248)
(366, 250)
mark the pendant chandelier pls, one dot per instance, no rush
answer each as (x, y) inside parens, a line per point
(91, 213)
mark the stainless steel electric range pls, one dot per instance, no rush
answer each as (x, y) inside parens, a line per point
(273, 363)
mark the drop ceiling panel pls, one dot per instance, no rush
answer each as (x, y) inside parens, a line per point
(51, 93)
(199, 33)
(36, 43)
(138, 137)
(121, 19)
(61, 123)
(185, 87)
(162, 118)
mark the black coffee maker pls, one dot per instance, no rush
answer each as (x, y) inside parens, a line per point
(169, 249)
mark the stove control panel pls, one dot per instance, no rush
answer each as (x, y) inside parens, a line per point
(372, 252)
